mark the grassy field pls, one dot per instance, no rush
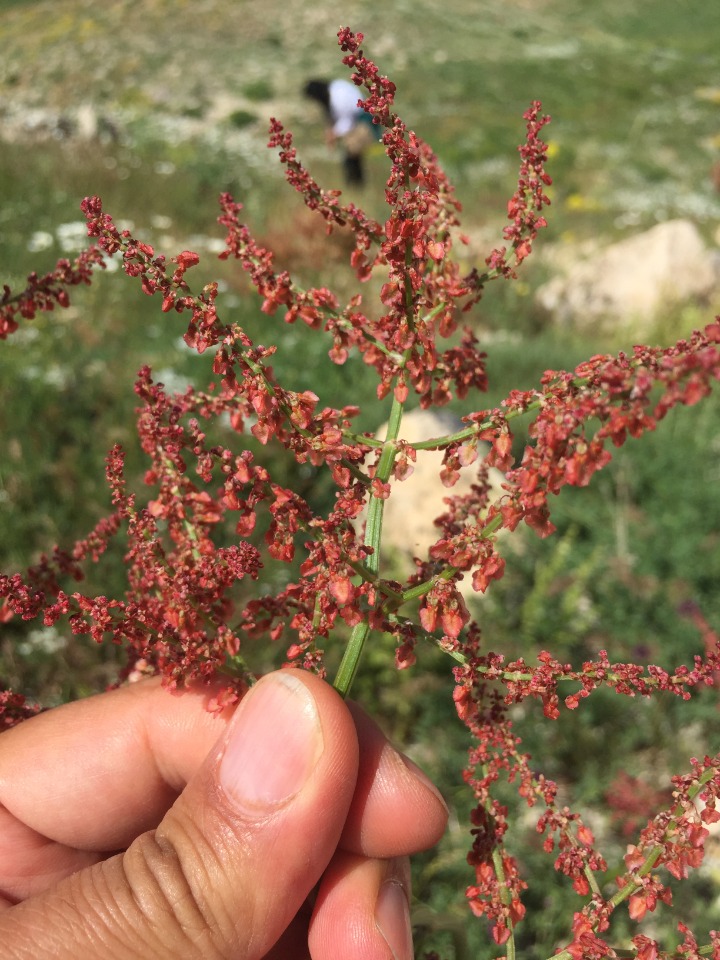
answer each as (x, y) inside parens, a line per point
(178, 94)
(633, 93)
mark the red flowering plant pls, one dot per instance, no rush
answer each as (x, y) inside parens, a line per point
(195, 539)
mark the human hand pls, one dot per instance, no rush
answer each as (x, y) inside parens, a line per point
(134, 824)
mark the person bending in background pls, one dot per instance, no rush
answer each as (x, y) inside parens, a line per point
(348, 123)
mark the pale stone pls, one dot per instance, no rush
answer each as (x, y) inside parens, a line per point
(414, 504)
(629, 284)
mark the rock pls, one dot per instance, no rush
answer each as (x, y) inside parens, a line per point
(40, 124)
(631, 283)
(414, 503)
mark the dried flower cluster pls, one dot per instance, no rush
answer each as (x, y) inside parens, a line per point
(43, 293)
(192, 541)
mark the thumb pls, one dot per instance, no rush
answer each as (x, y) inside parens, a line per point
(235, 856)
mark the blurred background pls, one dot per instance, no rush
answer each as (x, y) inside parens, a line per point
(158, 107)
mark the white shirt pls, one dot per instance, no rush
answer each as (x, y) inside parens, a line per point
(344, 108)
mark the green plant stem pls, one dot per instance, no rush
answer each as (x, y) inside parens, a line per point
(351, 658)
(373, 535)
(706, 951)
(652, 858)
(467, 433)
(505, 897)
(635, 884)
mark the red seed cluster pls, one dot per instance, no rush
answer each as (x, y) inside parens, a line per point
(214, 515)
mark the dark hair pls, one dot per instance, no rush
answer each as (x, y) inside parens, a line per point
(318, 90)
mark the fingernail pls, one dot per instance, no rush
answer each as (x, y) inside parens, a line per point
(273, 744)
(392, 916)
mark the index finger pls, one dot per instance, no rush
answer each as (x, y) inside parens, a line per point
(95, 773)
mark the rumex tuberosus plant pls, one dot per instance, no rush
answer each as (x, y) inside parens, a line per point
(194, 539)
